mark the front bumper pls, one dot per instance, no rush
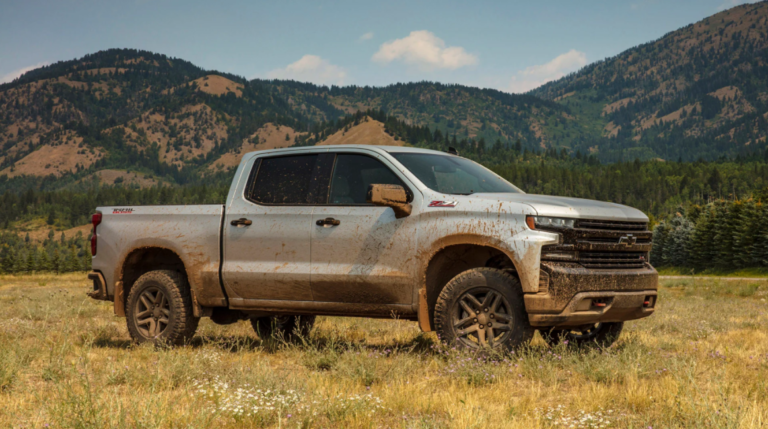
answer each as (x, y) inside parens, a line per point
(571, 295)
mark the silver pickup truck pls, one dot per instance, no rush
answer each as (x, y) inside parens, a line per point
(382, 232)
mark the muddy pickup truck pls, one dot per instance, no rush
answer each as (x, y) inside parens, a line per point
(368, 231)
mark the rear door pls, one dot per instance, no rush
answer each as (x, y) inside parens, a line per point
(364, 254)
(268, 231)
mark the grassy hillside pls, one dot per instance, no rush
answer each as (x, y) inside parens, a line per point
(698, 92)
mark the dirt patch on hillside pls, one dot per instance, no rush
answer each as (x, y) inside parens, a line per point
(99, 88)
(270, 136)
(140, 60)
(217, 85)
(112, 177)
(726, 93)
(611, 129)
(63, 155)
(192, 132)
(214, 85)
(368, 132)
(564, 96)
(41, 234)
(538, 131)
(678, 115)
(616, 105)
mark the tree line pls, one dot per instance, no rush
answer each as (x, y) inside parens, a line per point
(52, 255)
(722, 235)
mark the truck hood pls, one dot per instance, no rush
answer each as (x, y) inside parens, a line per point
(577, 208)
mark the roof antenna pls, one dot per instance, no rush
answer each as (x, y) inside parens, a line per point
(453, 151)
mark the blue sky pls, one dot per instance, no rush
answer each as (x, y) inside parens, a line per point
(509, 45)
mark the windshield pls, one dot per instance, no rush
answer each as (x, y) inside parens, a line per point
(454, 175)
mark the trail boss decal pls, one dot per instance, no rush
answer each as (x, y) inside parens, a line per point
(122, 211)
(450, 204)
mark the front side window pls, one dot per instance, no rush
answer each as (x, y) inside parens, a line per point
(284, 180)
(454, 175)
(353, 174)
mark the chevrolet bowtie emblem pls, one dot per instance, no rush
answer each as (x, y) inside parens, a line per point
(628, 240)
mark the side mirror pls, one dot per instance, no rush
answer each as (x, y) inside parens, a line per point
(391, 196)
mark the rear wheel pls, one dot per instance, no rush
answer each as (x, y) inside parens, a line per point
(288, 327)
(160, 309)
(598, 334)
(483, 308)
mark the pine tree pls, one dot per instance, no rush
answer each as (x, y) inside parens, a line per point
(44, 261)
(20, 262)
(677, 242)
(9, 261)
(759, 254)
(659, 242)
(31, 265)
(73, 263)
(725, 235)
(56, 261)
(702, 248)
(744, 240)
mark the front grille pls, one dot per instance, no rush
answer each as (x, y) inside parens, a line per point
(612, 259)
(606, 244)
(611, 225)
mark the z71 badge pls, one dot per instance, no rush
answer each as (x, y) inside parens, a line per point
(450, 204)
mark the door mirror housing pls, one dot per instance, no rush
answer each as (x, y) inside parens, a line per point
(390, 196)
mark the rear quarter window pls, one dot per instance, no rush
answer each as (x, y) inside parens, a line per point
(284, 180)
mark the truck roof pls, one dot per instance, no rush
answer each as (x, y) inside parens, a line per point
(377, 148)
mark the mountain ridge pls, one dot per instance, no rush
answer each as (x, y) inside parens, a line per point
(698, 92)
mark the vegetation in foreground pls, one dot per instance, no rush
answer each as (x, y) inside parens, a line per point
(66, 361)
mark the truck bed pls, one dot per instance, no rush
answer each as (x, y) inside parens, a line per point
(192, 232)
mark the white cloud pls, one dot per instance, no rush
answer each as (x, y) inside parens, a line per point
(16, 73)
(535, 76)
(727, 4)
(424, 50)
(366, 36)
(311, 68)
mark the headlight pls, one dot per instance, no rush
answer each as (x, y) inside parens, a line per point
(545, 222)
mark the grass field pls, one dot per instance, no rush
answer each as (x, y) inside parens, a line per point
(66, 361)
(715, 272)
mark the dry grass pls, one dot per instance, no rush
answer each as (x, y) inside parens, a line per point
(370, 131)
(65, 360)
(61, 157)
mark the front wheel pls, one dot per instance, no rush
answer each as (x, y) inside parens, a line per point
(483, 308)
(601, 335)
(159, 309)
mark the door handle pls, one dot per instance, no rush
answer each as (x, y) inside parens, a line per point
(327, 221)
(242, 221)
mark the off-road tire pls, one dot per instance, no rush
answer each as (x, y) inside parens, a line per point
(602, 336)
(454, 305)
(181, 323)
(287, 327)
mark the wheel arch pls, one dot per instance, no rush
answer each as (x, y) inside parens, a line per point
(450, 257)
(142, 260)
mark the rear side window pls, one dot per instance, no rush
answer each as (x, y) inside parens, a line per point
(352, 175)
(285, 180)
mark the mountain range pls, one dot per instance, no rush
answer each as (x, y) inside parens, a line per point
(142, 118)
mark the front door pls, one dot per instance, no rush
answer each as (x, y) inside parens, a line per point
(268, 230)
(361, 253)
